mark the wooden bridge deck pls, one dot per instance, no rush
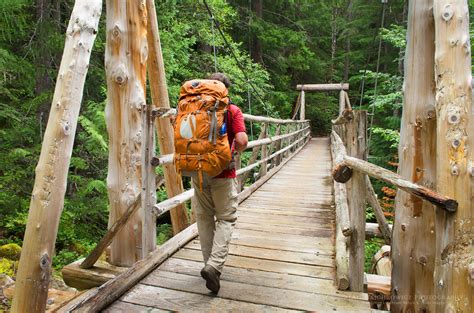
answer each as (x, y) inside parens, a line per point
(281, 256)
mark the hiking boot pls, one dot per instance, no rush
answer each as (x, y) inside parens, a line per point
(211, 275)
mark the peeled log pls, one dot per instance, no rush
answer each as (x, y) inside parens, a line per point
(160, 99)
(125, 64)
(47, 199)
(454, 175)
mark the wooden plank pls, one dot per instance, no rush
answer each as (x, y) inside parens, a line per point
(286, 299)
(285, 223)
(274, 255)
(179, 301)
(284, 239)
(264, 265)
(262, 278)
(315, 220)
(311, 231)
(125, 307)
(289, 213)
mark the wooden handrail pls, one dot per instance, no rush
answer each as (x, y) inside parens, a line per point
(344, 164)
(323, 87)
(165, 113)
(166, 205)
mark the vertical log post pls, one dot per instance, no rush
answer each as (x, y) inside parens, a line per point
(47, 199)
(302, 107)
(159, 96)
(148, 194)
(355, 134)
(275, 145)
(264, 154)
(125, 65)
(238, 165)
(414, 238)
(454, 172)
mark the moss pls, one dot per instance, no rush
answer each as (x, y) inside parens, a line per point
(8, 267)
(10, 251)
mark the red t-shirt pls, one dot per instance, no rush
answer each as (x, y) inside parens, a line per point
(236, 124)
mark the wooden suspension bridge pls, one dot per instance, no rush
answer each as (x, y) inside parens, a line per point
(299, 239)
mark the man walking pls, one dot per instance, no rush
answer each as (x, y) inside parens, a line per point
(215, 204)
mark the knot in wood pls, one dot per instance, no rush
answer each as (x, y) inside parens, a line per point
(447, 13)
(454, 170)
(116, 32)
(456, 143)
(404, 227)
(422, 260)
(45, 262)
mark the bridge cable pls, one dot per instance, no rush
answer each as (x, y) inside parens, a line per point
(214, 43)
(239, 65)
(384, 6)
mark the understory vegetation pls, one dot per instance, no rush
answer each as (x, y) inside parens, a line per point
(279, 45)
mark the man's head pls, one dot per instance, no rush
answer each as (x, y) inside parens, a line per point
(222, 78)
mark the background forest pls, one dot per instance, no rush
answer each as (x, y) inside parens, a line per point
(279, 44)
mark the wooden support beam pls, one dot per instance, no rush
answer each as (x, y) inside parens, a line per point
(374, 203)
(346, 116)
(264, 153)
(47, 201)
(323, 87)
(302, 106)
(162, 160)
(379, 287)
(340, 172)
(454, 155)
(255, 150)
(166, 205)
(372, 230)
(266, 141)
(148, 182)
(160, 99)
(90, 260)
(342, 218)
(385, 175)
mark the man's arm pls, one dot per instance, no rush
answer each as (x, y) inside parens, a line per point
(240, 142)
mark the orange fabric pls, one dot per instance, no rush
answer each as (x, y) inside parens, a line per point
(198, 98)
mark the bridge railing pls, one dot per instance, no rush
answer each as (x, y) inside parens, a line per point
(274, 150)
(349, 153)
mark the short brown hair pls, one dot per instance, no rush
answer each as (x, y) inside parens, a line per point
(221, 77)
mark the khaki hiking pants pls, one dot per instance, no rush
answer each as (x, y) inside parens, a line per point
(218, 199)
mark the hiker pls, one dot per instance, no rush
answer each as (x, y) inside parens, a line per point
(209, 132)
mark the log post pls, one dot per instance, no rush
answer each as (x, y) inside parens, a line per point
(160, 99)
(454, 172)
(125, 64)
(238, 166)
(47, 199)
(148, 183)
(302, 107)
(264, 153)
(357, 147)
(413, 232)
(275, 145)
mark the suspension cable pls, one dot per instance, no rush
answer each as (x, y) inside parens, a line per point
(384, 5)
(239, 65)
(214, 43)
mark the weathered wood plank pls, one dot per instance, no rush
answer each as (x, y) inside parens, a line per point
(125, 307)
(264, 265)
(263, 278)
(287, 299)
(310, 231)
(178, 301)
(274, 255)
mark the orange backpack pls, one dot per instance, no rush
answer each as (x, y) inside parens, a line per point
(200, 136)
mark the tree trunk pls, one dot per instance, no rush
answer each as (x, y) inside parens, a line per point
(159, 95)
(347, 63)
(413, 233)
(454, 233)
(47, 199)
(256, 51)
(125, 64)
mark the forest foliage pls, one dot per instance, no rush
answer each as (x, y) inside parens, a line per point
(279, 44)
